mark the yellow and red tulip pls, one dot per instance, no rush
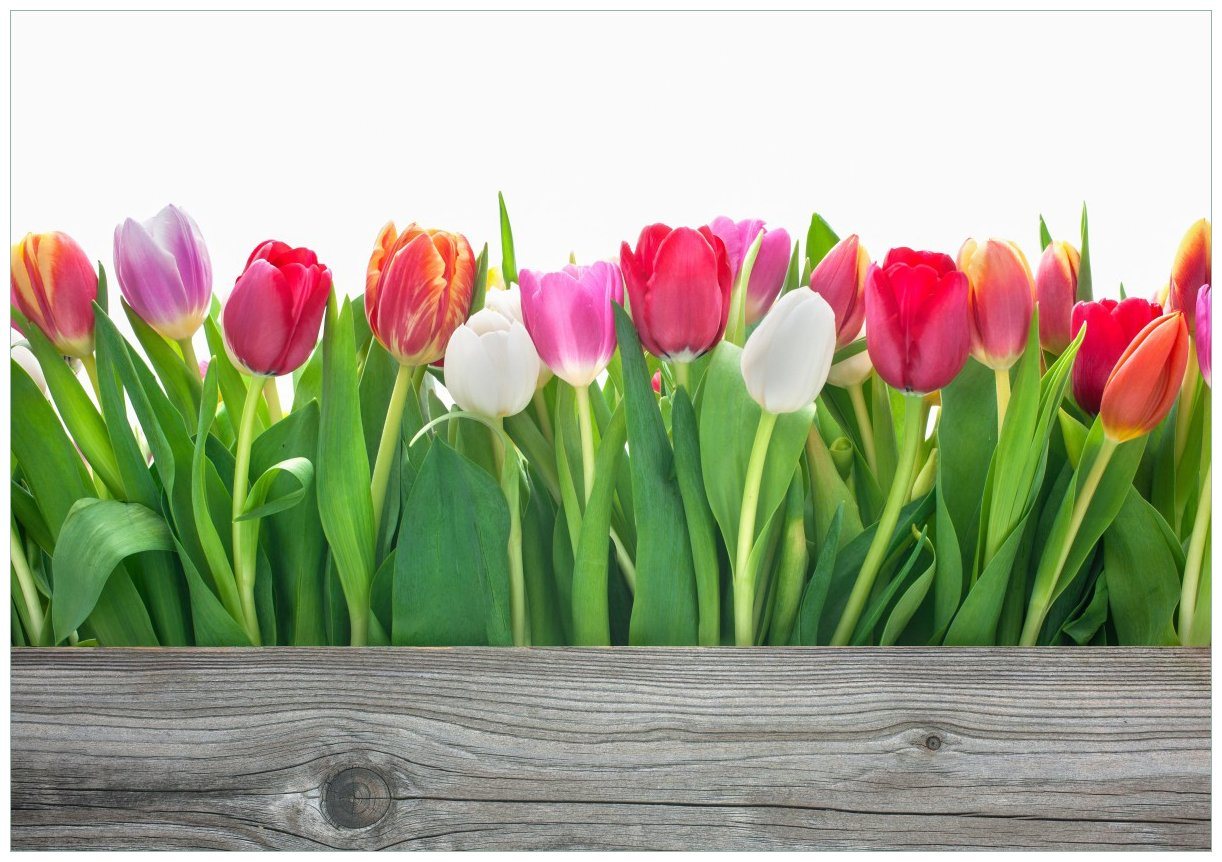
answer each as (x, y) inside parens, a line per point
(53, 284)
(1001, 296)
(1191, 270)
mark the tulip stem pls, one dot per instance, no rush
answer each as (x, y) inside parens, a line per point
(189, 358)
(1194, 560)
(243, 546)
(858, 396)
(274, 411)
(744, 578)
(914, 434)
(29, 592)
(539, 400)
(587, 439)
(389, 442)
(682, 375)
(736, 326)
(1044, 592)
(1001, 377)
(1183, 416)
(518, 618)
(91, 368)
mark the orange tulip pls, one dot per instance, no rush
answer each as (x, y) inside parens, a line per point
(1000, 300)
(1191, 270)
(53, 284)
(1146, 380)
(418, 291)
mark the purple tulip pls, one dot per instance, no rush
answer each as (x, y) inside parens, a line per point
(1204, 333)
(771, 263)
(569, 317)
(164, 271)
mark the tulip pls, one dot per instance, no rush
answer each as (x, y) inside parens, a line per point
(569, 316)
(1191, 270)
(1001, 295)
(1146, 380)
(165, 274)
(679, 284)
(840, 278)
(1110, 326)
(1056, 286)
(418, 290)
(53, 285)
(491, 365)
(787, 358)
(1204, 339)
(656, 382)
(917, 319)
(767, 275)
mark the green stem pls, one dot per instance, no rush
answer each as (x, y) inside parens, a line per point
(518, 617)
(744, 580)
(29, 592)
(91, 368)
(1001, 378)
(914, 433)
(189, 358)
(1041, 599)
(539, 400)
(1194, 559)
(682, 375)
(389, 442)
(1188, 392)
(736, 326)
(587, 439)
(272, 396)
(858, 397)
(244, 556)
(627, 566)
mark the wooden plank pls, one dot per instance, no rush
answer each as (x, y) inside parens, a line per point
(628, 748)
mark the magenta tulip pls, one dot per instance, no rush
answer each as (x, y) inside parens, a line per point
(771, 262)
(164, 271)
(840, 278)
(569, 317)
(1205, 333)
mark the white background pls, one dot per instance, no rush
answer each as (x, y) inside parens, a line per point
(907, 128)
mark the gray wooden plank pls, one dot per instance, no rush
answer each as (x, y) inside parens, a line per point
(610, 749)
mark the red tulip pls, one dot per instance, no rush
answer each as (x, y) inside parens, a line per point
(1191, 270)
(271, 318)
(1146, 380)
(53, 284)
(1056, 287)
(840, 278)
(917, 319)
(1110, 327)
(679, 284)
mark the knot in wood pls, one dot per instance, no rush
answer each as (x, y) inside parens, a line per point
(355, 798)
(933, 742)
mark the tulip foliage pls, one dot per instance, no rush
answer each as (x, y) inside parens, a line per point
(722, 437)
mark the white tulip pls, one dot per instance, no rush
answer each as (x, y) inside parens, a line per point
(787, 358)
(491, 365)
(508, 303)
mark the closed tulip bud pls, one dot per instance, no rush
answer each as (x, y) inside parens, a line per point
(164, 271)
(771, 262)
(786, 359)
(840, 278)
(656, 382)
(1205, 333)
(917, 319)
(852, 371)
(491, 365)
(1056, 289)
(679, 284)
(53, 285)
(271, 318)
(1191, 270)
(1146, 380)
(1110, 326)
(418, 290)
(508, 303)
(1001, 295)
(569, 316)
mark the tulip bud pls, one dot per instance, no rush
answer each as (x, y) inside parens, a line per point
(852, 371)
(771, 262)
(491, 365)
(1056, 287)
(1001, 294)
(271, 318)
(917, 319)
(508, 303)
(1191, 270)
(569, 316)
(53, 285)
(1205, 334)
(679, 285)
(164, 271)
(418, 289)
(656, 382)
(840, 278)
(1146, 380)
(786, 359)
(1110, 326)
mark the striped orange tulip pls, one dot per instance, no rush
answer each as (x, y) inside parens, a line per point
(53, 284)
(1191, 270)
(1146, 380)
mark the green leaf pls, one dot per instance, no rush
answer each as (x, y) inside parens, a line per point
(262, 502)
(591, 614)
(967, 435)
(806, 625)
(181, 384)
(874, 611)
(479, 287)
(904, 610)
(1045, 236)
(212, 624)
(820, 238)
(1085, 292)
(509, 266)
(700, 525)
(1086, 624)
(1143, 574)
(792, 274)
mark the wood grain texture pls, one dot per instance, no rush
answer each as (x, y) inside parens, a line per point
(609, 749)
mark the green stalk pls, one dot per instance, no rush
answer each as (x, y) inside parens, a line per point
(244, 556)
(1041, 600)
(389, 442)
(29, 592)
(1001, 378)
(189, 358)
(272, 395)
(736, 326)
(858, 397)
(914, 433)
(682, 375)
(91, 368)
(587, 439)
(744, 578)
(1195, 558)
(545, 421)
(1188, 393)
(518, 617)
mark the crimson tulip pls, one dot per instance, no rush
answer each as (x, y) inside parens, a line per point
(1110, 327)
(1191, 270)
(917, 319)
(679, 284)
(1056, 286)
(840, 278)
(53, 284)
(1146, 380)
(271, 318)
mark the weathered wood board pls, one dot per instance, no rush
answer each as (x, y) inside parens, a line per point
(627, 748)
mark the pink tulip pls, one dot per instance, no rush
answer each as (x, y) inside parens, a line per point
(1001, 296)
(569, 316)
(164, 271)
(840, 278)
(771, 262)
(1056, 289)
(1204, 323)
